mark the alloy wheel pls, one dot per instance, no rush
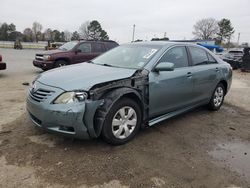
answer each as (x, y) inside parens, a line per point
(218, 96)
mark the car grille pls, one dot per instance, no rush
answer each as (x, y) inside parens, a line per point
(39, 57)
(35, 119)
(40, 95)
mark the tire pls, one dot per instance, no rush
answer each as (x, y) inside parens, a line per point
(44, 69)
(217, 98)
(60, 63)
(117, 128)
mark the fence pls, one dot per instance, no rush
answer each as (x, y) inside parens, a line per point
(26, 45)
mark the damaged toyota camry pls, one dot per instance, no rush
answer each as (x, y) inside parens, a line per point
(131, 87)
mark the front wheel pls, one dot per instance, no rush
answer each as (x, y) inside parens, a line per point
(122, 122)
(60, 63)
(217, 98)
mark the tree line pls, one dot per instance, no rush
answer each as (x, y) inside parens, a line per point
(209, 28)
(87, 30)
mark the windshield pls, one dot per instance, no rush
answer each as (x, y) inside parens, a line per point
(68, 46)
(127, 56)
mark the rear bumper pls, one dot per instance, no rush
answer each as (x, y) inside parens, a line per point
(2, 66)
(45, 65)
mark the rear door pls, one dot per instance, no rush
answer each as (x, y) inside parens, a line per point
(205, 70)
(171, 90)
(98, 48)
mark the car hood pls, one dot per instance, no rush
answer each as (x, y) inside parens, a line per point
(82, 76)
(49, 52)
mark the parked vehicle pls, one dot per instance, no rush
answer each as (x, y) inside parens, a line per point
(53, 45)
(2, 64)
(233, 57)
(71, 53)
(235, 53)
(213, 48)
(18, 45)
(128, 88)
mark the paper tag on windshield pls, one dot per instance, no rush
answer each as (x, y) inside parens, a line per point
(150, 53)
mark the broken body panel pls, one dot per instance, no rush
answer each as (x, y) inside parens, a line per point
(77, 120)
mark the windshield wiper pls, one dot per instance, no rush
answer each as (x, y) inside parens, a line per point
(107, 65)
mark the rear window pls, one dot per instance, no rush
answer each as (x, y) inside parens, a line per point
(199, 56)
(98, 47)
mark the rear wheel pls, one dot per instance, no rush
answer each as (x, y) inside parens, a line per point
(217, 98)
(122, 122)
(60, 63)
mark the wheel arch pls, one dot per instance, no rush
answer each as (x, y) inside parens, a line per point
(225, 84)
(110, 98)
(63, 59)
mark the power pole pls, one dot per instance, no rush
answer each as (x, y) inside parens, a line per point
(165, 34)
(238, 41)
(133, 37)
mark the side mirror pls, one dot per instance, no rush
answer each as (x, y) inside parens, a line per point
(78, 51)
(164, 66)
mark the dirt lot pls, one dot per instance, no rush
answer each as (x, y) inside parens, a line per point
(198, 149)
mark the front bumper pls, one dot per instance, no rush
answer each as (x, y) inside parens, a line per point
(2, 66)
(45, 65)
(72, 120)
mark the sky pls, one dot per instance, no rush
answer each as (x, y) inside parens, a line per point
(152, 18)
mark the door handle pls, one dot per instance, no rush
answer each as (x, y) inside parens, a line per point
(189, 74)
(217, 69)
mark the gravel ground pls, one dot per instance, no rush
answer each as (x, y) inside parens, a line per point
(197, 149)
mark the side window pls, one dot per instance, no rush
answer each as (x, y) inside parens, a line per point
(176, 55)
(199, 56)
(85, 47)
(211, 59)
(98, 47)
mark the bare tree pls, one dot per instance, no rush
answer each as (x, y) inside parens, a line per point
(36, 28)
(67, 35)
(48, 34)
(84, 31)
(206, 28)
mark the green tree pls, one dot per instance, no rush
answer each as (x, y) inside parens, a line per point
(96, 32)
(225, 30)
(27, 35)
(62, 37)
(75, 36)
(4, 31)
(7, 30)
(56, 36)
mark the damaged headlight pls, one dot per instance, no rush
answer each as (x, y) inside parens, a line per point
(71, 97)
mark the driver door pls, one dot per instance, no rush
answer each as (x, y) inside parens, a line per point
(83, 53)
(171, 90)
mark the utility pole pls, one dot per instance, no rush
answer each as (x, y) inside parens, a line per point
(238, 41)
(165, 34)
(133, 37)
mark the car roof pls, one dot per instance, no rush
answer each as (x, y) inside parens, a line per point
(161, 44)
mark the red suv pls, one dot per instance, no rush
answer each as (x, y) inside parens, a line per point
(72, 52)
(2, 64)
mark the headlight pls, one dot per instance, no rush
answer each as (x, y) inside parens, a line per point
(46, 57)
(71, 97)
